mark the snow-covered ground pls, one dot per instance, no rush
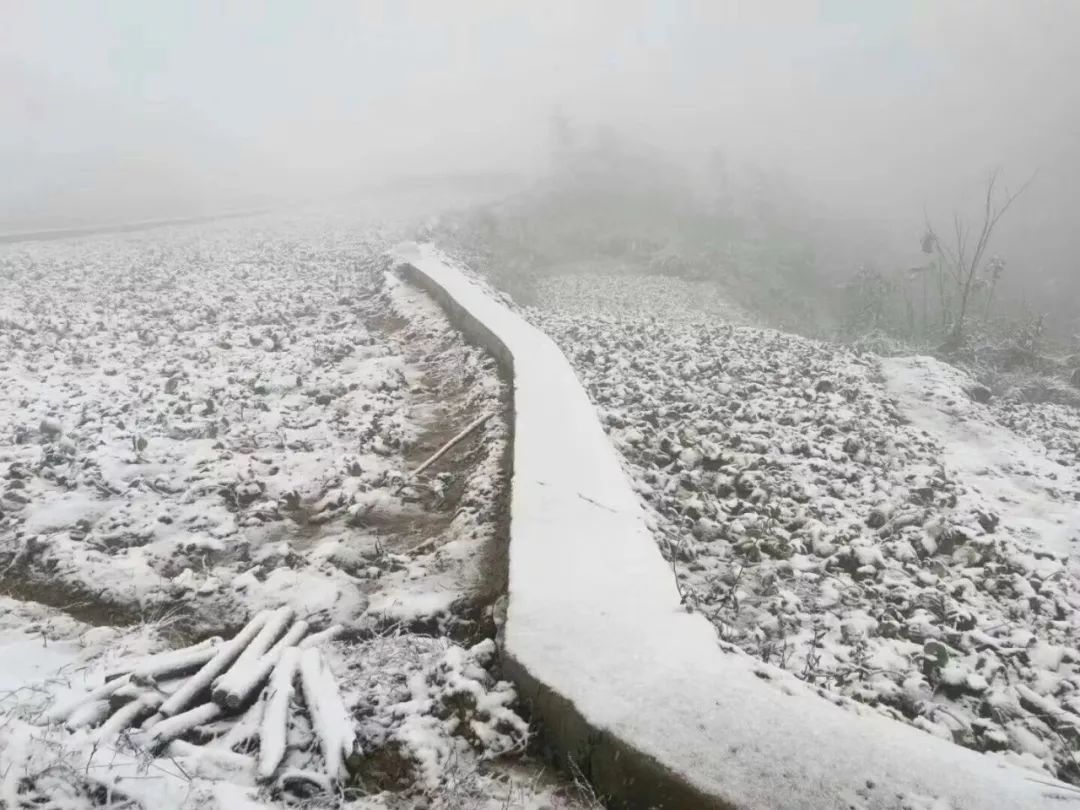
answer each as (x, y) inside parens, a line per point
(862, 525)
(669, 298)
(198, 423)
(1029, 481)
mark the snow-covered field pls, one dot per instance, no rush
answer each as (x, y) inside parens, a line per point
(862, 524)
(199, 423)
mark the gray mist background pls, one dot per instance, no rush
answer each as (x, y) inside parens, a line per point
(872, 110)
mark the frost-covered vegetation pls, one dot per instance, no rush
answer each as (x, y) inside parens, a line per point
(199, 424)
(898, 532)
(611, 206)
(865, 524)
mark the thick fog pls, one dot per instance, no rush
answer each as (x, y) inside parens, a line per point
(873, 112)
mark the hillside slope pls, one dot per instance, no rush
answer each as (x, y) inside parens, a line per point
(862, 524)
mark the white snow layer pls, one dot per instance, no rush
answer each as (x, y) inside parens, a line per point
(1013, 476)
(595, 615)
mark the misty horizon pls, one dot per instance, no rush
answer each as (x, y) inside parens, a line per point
(873, 113)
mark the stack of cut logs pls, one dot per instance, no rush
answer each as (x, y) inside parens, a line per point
(164, 697)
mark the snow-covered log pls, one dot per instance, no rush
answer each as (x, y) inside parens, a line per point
(127, 715)
(248, 674)
(276, 623)
(172, 662)
(129, 691)
(226, 654)
(292, 638)
(151, 721)
(244, 729)
(329, 718)
(174, 665)
(61, 711)
(274, 728)
(213, 763)
(323, 636)
(180, 724)
(88, 714)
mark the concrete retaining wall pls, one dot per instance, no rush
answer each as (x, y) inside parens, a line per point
(628, 685)
(624, 775)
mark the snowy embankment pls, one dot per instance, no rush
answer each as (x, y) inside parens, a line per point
(923, 574)
(630, 684)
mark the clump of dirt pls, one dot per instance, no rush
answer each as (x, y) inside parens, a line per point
(385, 767)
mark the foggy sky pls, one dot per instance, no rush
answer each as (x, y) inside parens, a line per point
(876, 107)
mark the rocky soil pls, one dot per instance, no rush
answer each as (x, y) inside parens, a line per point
(842, 518)
(199, 423)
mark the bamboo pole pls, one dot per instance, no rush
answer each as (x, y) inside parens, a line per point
(61, 711)
(329, 718)
(241, 682)
(164, 663)
(446, 447)
(273, 732)
(127, 715)
(180, 724)
(226, 654)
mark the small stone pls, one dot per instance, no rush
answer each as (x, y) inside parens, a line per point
(988, 521)
(977, 683)
(51, 427)
(690, 458)
(876, 519)
(707, 530)
(14, 500)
